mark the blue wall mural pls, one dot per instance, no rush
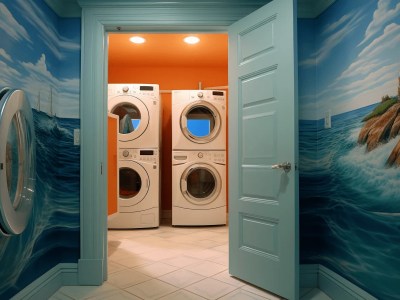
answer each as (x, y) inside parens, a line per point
(349, 63)
(40, 54)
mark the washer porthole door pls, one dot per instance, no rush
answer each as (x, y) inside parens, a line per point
(134, 183)
(133, 116)
(201, 184)
(200, 122)
(17, 162)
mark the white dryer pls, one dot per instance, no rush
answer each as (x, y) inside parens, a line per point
(139, 197)
(138, 107)
(198, 120)
(198, 188)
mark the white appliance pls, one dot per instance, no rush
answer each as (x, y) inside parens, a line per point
(198, 188)
(138, 107)
(17, 161)
(198, 120)
(139, 196)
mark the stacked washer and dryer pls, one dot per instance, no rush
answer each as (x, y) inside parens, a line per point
(198, 157)
(138, 107)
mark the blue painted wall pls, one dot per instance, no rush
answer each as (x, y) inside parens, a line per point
(40, 53)
(349, 198)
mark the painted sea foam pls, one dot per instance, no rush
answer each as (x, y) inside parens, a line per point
(350, 205)
(52, 235)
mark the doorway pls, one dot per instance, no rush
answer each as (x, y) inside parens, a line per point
(165, 59)
(98, 20)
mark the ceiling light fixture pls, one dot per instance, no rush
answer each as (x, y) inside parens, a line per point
(137, 40)
(191, 40)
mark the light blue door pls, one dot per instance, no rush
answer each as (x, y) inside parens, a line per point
(263, 180)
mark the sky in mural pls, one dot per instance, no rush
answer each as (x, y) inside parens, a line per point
(39, 58)
(357, 60)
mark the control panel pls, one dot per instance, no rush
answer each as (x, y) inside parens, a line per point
(144, 155)
(121, 89)
(218, 157)
(207, 95)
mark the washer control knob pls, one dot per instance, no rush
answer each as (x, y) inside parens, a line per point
(200, 155)
(125, 153)
(200, 95)
(125, 89)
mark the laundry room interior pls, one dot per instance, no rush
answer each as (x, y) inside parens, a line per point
(166, 60)
(339, 61)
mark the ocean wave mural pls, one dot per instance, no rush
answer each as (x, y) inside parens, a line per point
(40, 54)
(349, 173)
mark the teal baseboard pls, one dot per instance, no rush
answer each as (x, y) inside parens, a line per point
(332, 284)
(42, 288)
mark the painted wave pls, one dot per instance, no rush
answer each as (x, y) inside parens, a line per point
(350, 205)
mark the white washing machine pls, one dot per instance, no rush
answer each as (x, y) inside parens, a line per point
(139, 109)
(198, 188)
(198, 120)
(139, 196)
(17, 162)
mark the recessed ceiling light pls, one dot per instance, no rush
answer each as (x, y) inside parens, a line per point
(137, 40)
(191, 40)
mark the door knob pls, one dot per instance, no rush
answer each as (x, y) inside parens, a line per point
(286, 166)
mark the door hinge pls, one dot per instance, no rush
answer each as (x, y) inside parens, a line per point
(101, 168)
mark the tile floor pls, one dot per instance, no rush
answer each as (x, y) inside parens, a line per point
(171, 263)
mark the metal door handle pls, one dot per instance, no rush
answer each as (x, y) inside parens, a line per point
(286, 166)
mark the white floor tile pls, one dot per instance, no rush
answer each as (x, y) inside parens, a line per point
(134, 261)
(127, 278)
(156, 269)
(152, 289)
(182, 295)
(222, 260)
(210, 288)
(223, 248)
(260, 292)
(203, 254)
(181, 278)
(114, 267)
(227, 278)
(206, 268)
(119, 295)
(159, 254)
(181, 261)
(242, 295)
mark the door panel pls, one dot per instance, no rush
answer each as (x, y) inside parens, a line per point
(263, 213)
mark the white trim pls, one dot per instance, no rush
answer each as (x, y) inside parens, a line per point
(64, 274)
(332, 284)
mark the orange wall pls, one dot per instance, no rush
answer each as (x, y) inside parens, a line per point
(169, 78)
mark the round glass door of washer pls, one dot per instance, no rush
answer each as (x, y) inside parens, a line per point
(133, 116)
(133, 183)
(200, 122)
(17, 162)
(201, 184)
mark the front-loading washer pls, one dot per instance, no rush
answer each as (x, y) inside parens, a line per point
(138, 108)
(139, 196)
(198, 188)
(198, 120)
(17, 161)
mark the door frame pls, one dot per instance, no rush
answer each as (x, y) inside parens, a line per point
(97, 22)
